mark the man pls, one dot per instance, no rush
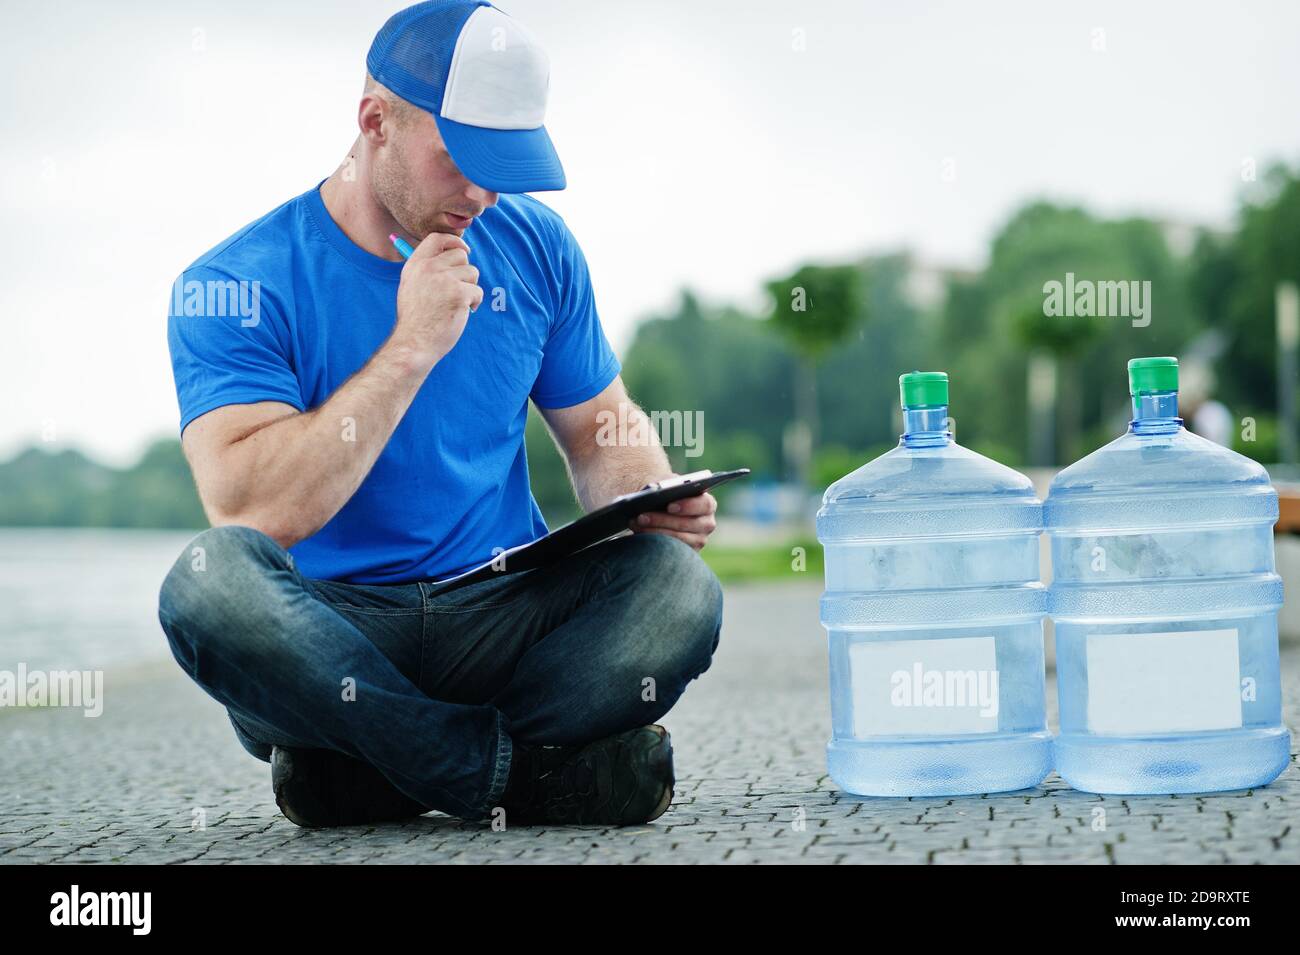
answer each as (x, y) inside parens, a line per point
(355, 433)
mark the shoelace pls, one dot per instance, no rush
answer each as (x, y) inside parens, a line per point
(571, 785)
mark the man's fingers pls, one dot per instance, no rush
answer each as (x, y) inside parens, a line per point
(700, 524)
(699, 504)
(450, 258)
(465, 273)
(435, 243)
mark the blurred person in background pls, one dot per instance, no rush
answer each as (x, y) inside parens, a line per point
(1204, 415)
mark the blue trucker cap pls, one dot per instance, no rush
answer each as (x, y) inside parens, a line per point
(484, 78)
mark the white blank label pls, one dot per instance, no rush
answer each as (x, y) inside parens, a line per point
(924, 687)
(1163, 682)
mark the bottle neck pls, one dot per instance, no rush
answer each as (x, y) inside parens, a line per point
(926, 427)
(1156, 413)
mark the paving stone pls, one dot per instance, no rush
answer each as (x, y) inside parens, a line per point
(749, 738)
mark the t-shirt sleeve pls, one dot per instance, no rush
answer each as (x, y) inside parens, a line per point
(577, 361)
(228, 344)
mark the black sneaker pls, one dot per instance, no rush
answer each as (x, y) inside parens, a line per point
(316, 788)
(621, 780)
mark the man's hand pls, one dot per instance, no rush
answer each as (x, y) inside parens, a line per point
(437, 292)
(691, 519)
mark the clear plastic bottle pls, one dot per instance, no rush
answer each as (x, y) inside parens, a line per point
(934, 611)
(1165, 601)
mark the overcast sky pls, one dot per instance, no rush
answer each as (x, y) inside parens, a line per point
(707, 144)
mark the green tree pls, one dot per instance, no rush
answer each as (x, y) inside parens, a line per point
(1236, 279)
(995, 323)
(815, 309)
(722, 365)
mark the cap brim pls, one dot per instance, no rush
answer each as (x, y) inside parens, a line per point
(503, 160)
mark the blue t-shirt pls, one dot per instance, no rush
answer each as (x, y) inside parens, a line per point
(288, 308)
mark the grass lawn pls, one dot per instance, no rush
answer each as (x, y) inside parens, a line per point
(795, 560)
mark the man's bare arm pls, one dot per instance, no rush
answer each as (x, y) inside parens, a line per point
(286, 473)
(601, 472)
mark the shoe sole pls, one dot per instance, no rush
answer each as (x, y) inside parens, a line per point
(667, 799)
(281, 776)
(660, 763)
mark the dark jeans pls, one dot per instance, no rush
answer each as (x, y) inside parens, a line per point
(431, 690)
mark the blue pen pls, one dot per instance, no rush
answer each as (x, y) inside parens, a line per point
(402, 245)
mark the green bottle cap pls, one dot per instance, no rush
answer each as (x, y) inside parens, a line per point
(923, 389)
(1149, 375)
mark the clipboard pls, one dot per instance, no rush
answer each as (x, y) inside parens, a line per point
(592, 528)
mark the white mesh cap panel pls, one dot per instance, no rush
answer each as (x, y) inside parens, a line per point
(498, 76)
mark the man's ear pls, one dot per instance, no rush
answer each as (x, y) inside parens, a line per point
(375, 119)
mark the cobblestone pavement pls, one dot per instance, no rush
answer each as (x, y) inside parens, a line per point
(159, 777)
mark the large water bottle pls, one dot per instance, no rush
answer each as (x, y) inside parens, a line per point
(1165, 601)
(934, 612)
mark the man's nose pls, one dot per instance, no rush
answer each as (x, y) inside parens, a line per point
(481, 196)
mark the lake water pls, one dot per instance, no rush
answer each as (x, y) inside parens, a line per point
(83, 598)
